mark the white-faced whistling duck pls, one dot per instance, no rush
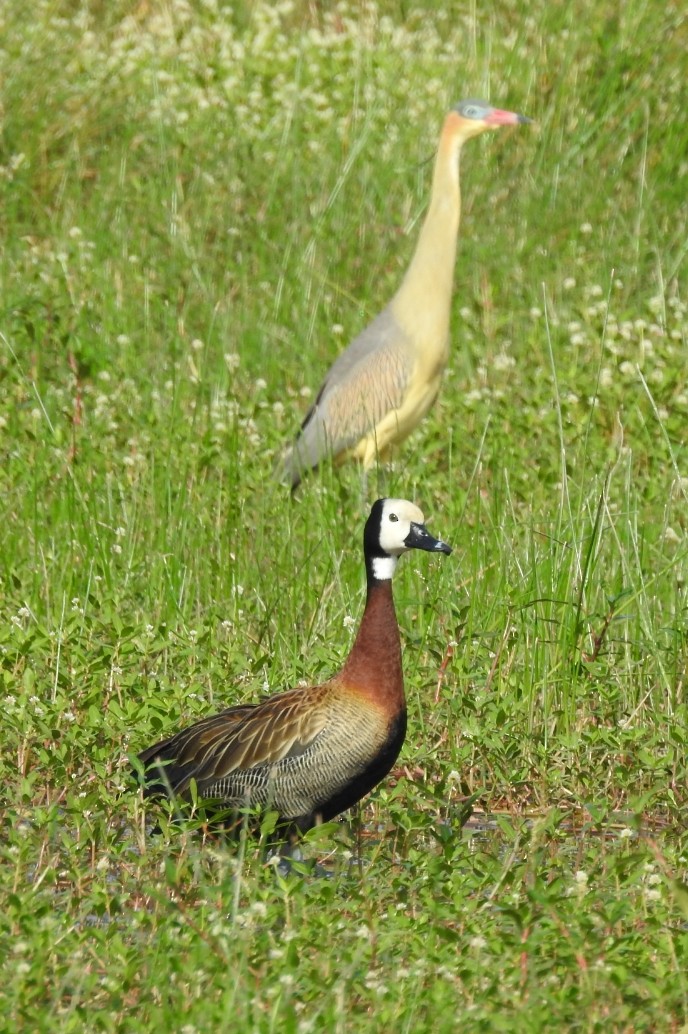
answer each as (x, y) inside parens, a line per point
(310, 753)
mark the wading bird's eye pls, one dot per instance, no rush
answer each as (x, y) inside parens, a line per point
(393, 517)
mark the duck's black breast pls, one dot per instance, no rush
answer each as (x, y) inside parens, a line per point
(377, 767)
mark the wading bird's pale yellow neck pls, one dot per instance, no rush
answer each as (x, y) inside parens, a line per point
(422, 303)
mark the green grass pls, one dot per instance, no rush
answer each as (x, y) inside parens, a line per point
(199, 206)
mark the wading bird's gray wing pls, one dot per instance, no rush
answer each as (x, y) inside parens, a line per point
(367, 381)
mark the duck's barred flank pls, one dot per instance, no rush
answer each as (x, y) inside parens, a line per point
(310, 753)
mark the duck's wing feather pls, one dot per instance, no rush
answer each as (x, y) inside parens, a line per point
(239, 738)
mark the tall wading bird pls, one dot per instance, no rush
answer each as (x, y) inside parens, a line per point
(383, 384)
(309, 753)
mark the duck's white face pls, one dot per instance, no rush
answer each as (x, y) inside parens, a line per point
(395, 526)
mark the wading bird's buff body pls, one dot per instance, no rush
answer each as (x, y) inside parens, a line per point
(310, 753)
(383, 384)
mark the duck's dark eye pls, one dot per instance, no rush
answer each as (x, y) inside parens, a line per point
(471, 111)
(393, 517)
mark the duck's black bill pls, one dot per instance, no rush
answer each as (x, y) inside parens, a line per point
(420, 538)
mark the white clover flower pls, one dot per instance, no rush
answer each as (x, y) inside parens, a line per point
(569, 283)
(503, 362)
